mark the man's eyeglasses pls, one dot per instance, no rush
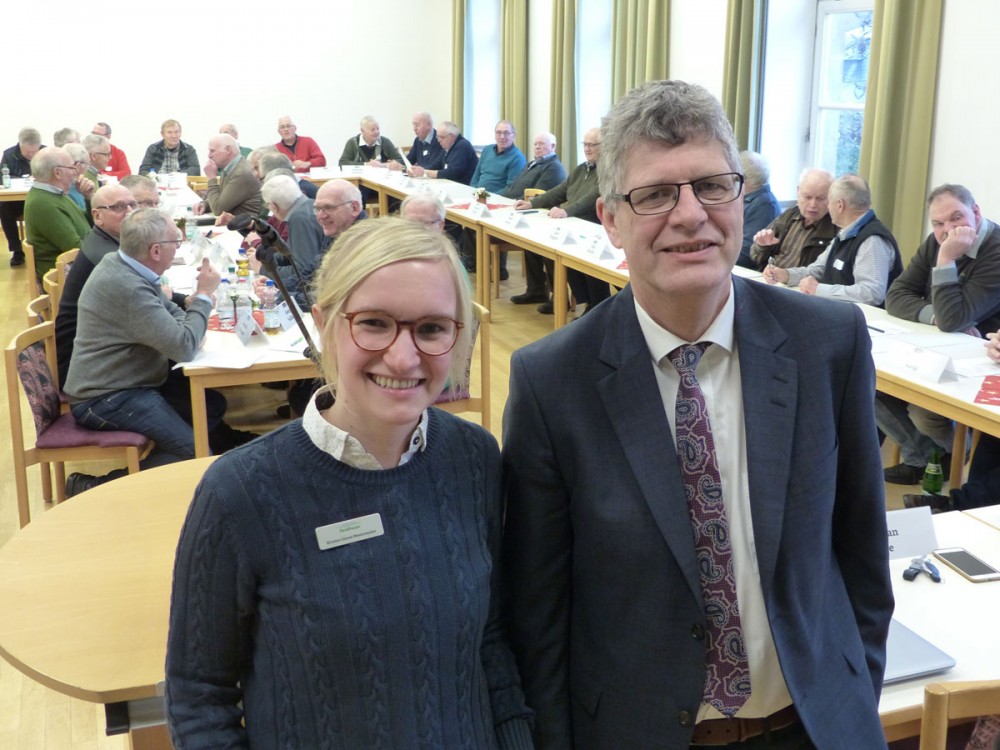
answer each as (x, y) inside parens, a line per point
(174, 240)
(376, 331)
(100, 153)
(326, 208)
(149, 204)
(63, 166)
(659, 199)
(120, 208)
(586, 144)
(503, 133)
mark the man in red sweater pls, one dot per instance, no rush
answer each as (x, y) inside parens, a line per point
(304, 152)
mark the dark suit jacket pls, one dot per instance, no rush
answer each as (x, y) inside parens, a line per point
(604, 600)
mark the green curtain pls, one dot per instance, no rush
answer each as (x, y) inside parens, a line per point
(743, 72)
(899, 114)
(640, 33)
(457, 62)
(562, 96)
(514, 68)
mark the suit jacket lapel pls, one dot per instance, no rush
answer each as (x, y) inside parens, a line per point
(632, 400)
(770, 389)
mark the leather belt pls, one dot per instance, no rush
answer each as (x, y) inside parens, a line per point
(717, 732)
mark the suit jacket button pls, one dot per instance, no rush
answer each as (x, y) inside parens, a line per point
(698, 632)
(684, 718)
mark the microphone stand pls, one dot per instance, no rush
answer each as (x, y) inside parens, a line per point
(267, 262)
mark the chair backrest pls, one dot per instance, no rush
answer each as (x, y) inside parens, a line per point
(64, 262)
(30, 359)
(29, 266)
(464, 401)
(39, 310)
(530, 193)
(197, 184)
(52, 287)
(944, 701)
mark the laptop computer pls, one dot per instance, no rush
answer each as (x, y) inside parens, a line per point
(908, 655)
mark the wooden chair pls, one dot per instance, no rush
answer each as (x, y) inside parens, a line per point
(464, 401)
(945, 701)
(63, 263)
(30, 364)
(40, 310)
(197, 183)
(502, 247)
(29, 266)
(530, 193)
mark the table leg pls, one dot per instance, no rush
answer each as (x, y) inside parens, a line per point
(150, 738)
(383, 203)
(199, 419)
(482, 267)
(560, 298)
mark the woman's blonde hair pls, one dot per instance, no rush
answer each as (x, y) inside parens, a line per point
(373, 244)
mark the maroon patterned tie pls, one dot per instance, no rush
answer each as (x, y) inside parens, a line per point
(727, 672)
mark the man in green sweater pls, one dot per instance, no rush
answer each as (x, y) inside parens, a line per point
(53, 222)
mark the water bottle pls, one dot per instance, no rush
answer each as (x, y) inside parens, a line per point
(224, 306)
(243, 264)
(190, 225)
(244, 300)
(269, 304)
(6, 177)
(933, 480)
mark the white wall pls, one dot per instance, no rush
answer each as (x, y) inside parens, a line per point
(698, 42)
(967, 110)
(324, 63)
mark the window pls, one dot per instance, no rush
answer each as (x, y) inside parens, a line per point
(482, 70)
(593, 70)
(843, 45)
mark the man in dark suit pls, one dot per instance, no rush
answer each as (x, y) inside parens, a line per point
(734, 592)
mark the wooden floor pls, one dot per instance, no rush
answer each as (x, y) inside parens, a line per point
(33, 717)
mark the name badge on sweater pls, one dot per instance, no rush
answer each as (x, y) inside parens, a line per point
(838, 264)
(347, 532)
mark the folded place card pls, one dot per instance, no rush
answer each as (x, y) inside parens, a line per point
(479, 211)
(513, 219)
(911, 532)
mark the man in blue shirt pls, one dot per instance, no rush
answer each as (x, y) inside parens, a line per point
(499, 164)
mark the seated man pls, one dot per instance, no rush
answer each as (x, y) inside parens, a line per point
(17, 159)
(232, 187)
(305, 239)
(760, 207)
(65, 135)
(99, 150)
(127, 334)
(953, 282)
(85, 182)
(303, 151)
(117, 162)
(543, 172)
(460, 160)
(54, 223)
(577, 197)
(426, 150)
(229, 129)
(369, 147)
(860, 263)
(277, 160)
(802, 233)
(143, 189)
(109, 206)
(170, 154)
(424, 208)
(500, 163)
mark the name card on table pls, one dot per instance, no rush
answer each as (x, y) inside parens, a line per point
(405, 181)
(246, 328)
(479, 210)
(926, 364)
(560, 235)
(285, 318)
(352, 169)
(911, 532)
(513, 219)
(440, 192)
(599, 248)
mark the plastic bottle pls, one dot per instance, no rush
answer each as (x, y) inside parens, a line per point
(269, 304)
(933, 480)
(6, 176)
(242, 264)
(224, 305)
(244, 300)
(190, 225)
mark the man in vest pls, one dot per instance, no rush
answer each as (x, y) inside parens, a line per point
(863, 258)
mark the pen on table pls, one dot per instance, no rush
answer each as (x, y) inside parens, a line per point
(877, 330)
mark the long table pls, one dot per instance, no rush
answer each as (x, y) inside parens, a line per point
(85, 593)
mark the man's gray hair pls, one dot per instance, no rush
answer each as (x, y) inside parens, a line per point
(756, 172)
(44, 163)
(29, 137)
(65, 135)
(853, 190)
(425, 116)
(273, 160)
(368, 120)
(93, 143)
(422, 199)
(666, 113)
(282, 191)
(144, 227)
(78, 152)
(107, 129)
(962, 193)
(137, 180)
(449, 128)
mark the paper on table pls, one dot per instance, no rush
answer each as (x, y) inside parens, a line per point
(224, 350)
(975, 367)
